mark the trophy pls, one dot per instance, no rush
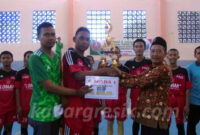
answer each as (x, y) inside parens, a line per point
(109, 48)
(103, 62)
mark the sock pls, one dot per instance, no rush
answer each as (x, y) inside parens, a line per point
(135, 128)
(120, 127)
(24, 131)
(181, 130)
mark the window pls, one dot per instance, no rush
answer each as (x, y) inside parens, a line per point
(40, 17)
(96, 23)
(9, 27)
(134, 24)
(189, 27)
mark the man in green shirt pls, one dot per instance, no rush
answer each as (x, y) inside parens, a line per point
(59, 46)
(45, 73)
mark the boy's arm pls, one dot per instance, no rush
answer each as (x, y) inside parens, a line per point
(50, 87)
(17, 93)
(187, 92)
(145, 79)
(187, 102)
(39, 74)
(189, 73)
(69, 62)
(64, 101)
(80, 75)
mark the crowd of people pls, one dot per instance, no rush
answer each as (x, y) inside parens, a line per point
(48, 93)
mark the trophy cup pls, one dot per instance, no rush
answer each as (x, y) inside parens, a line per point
(103, 62)
(115, 61)
(108, 48)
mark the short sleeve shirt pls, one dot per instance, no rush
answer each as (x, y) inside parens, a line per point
(23, 82)
(7, 94)
(43, 68)
(180, 82)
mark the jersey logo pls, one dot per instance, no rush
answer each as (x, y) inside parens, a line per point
(25, 77)
(1, 76)
(133, 67)
(180, 76)
(175, 86)
(80, 63)
(6, 87)
(145, 68)
(28, 86)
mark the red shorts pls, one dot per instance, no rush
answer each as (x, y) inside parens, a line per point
(134, 99)
(23, 119)
(178, 103)
(7, 117)
(116, 108)
(81, 122)
(76, 126)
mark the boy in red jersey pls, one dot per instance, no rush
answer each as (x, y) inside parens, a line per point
(7, 95)
(75, 68)
(137, 66)
(23, 91)
(179, 90)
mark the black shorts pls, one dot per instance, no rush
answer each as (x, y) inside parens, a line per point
(45, 128)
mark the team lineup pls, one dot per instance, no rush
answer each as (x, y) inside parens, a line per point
(48, 93)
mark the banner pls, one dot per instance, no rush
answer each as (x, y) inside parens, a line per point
(103, 87)
(126, 47)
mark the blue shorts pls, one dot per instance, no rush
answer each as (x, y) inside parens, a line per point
(45, 128)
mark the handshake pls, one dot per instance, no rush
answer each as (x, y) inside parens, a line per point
(111, 71)
(127, 80)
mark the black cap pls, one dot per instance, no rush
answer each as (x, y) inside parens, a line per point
(160, 41)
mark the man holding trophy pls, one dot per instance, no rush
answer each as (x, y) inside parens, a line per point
(153, 110)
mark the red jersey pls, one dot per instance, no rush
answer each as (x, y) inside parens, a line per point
(7, 94)
(72, 63)
(23, 82)
(180, 82)
(136, 68)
